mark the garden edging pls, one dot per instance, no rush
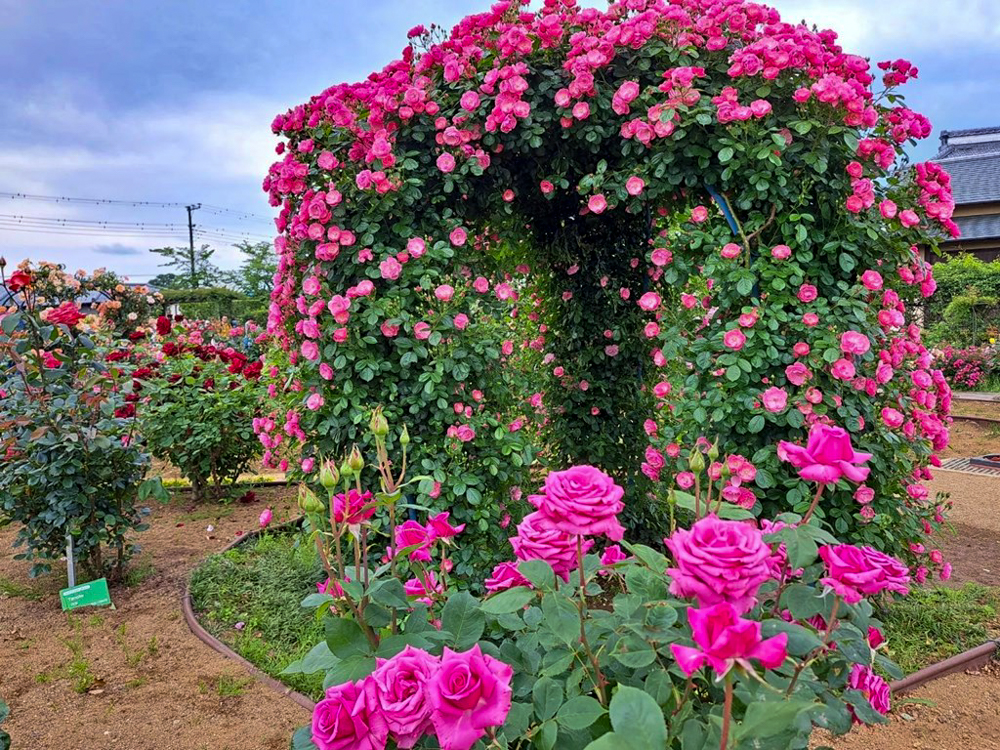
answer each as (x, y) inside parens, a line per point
(187, 607)
(974, 658)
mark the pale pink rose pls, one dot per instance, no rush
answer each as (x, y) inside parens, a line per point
(470, 693)
(444, 292)
(422, 331)
(416, 247)
(719, 561)
(853, 342)
(810, 319)
(661, 256)
(458, 236)
(461, 321)
(634, 185)
(650, 301)
(775, 399)
(864, 494)
(909, 218)
(390, 269)
(888, 209)
(469, 101)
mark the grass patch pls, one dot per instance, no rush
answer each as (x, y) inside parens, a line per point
(14, 590)
(262, 584)
(934, 623)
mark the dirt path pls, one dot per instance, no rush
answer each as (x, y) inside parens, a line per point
(134, 678)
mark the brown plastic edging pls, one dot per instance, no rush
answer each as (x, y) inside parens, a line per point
(192, 621)
(975, 658)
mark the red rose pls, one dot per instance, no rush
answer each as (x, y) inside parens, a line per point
(18, 281)
(163, 325)
(67, 314)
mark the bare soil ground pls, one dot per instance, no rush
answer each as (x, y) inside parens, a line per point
(135, 678)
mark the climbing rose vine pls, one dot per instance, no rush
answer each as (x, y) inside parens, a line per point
(606, 235)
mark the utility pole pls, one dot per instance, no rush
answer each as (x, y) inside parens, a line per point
(194, 276)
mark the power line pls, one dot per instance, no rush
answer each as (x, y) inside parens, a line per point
(105, 227)
(133, 203)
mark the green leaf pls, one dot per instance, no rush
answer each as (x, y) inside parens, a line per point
(727, 510)
(768, 718)
(756, 424)
(349, 670)
(390, 593)
(511, 600)
(546, 696)
(345, 638)
(539, 573)
(302, 739)
(579, 712)
(635, 715)
(319, 659)
(863, 708)
(462, 618)
(726, 154)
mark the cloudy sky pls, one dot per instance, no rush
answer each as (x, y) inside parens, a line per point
(170, 101)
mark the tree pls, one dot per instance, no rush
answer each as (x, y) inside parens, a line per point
(191, 264)
(255, 276)
(168, 281)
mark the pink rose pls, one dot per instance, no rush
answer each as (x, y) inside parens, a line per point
(892, 417)
(422, 331)
(458, 236)
(650, 301)
(582, 500)
(827, 457)
(781, 252)
(461, 321)
(843, 369)
(444, 292)
(597, 203)
(538, 539)
(875, 689)
(342, 721)
(469, 692)
(853, 342)
(797, 373)
(390, 269)
(719, 561)
(807, 293)
(441, 528)
(724, 639)
(872, 280)
(546, 187)
(416, 247)
(775, 399)
(734, 339)
(412, 534)
(265, 518)
(856, 572)
(888, 209)
(613, 555)
(699, 214)
(314, 402)
(730, 250)
(634, 185)
(446, 162)
(352, 508)
(505, 576)
(397, 693)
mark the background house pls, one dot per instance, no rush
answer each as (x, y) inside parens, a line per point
(972, 157)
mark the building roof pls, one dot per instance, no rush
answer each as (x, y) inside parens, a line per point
(986, 227)
(970, 142)
(975, 178)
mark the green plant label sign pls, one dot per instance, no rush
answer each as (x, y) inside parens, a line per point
(93, 594)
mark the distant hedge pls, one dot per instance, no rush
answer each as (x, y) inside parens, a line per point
(956, 277)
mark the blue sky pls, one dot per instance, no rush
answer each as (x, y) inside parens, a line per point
(171, 100)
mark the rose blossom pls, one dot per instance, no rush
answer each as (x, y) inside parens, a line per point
(856, 572)
(827, 457)
(875, 689)
(341, 721)
(397, 693)
(775, 399)
(538, 539)
(725, 639)
(67, 314)
(719, 561)
(797, 373)
(469, 692)
(352, 507)
(852, 342)
(807, 293)
(445, 292)
(634, 185)
(734, 339)
(505, 576)
(597, 203)
(582, 500)
(781, 252)
(650, 301)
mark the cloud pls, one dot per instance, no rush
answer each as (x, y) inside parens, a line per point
(117, 249)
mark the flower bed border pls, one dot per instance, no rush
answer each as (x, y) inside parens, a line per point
(187, 607)
(974, 658)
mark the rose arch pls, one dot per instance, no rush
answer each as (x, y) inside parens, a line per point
(614, 237)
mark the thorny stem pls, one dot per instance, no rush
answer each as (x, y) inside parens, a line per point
(369, 633)
(697, 497)
(598, 675)
(727, 713)
(815, 502)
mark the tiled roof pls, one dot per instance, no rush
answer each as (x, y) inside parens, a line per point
(974, 179)
(984, 227)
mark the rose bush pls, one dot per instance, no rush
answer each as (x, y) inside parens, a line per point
(595, 236)
(69, 450)
(752, 637)
(198, 397)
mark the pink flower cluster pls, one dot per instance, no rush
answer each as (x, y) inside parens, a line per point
(455, 697)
